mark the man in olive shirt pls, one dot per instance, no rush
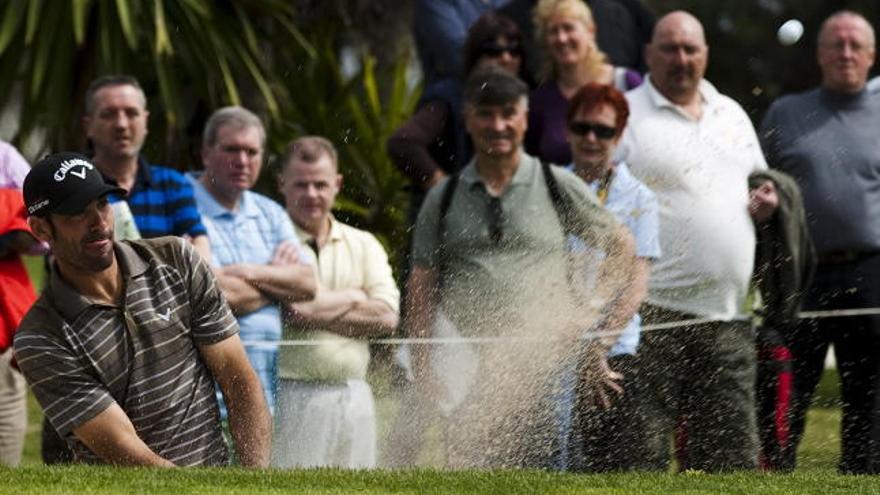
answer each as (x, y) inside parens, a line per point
(495, 263)
(123, 347)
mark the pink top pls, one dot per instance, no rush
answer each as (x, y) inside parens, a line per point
(13, 167)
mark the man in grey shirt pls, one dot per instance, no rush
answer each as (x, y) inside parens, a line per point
(827, 140)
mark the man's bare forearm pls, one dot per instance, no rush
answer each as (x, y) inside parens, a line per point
(249, 420)
(283, 283)
(241, 296)
(347, 312)
(112, 437)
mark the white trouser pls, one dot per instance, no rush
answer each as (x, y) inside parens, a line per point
(13, 412)
(324, 424)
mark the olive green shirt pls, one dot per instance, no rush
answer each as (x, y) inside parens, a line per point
(489, 288)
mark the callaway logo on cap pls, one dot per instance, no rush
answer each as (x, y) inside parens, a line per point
(70, 166)
(64, 183)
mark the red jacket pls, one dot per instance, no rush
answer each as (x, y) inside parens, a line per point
(16, 292)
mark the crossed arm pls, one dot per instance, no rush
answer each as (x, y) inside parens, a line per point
(347, 312)
(112, 436)
(249, 286)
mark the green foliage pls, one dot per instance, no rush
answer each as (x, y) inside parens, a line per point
(358, 114)
(194, 56)
(181, 51)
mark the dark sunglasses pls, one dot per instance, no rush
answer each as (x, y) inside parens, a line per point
(497, 49)
(601, 131)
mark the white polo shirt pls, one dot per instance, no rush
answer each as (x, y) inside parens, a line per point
(699, 170)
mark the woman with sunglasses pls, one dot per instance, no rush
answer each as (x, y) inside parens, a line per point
(566, 30)
(599, 439)
(432, 143)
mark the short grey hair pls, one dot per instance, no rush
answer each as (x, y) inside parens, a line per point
(234, 116)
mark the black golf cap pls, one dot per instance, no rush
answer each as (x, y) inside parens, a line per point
(64, 183)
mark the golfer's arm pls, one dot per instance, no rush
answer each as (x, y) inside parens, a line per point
(112, 437)
(249, 419)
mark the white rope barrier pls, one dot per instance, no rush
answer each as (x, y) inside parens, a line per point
(804, 315)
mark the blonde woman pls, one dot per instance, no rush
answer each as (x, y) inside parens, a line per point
(566, 30)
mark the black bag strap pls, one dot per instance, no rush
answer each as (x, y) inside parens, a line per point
(445, 202)
(561, 203)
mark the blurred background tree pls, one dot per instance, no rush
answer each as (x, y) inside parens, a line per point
(333, 67)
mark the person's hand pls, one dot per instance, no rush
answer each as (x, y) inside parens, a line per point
(287, 253)
(599, 382)
(763, 202)
(435, 179)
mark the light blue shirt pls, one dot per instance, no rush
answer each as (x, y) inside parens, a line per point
(631, 202)
(250, 235)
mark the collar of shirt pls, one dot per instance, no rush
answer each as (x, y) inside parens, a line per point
(707, 92)
(523, 175)
(143, 177)
(211, 208)
(307, 239)
(70, 302)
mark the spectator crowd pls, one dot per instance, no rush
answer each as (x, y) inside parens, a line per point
(606, 271)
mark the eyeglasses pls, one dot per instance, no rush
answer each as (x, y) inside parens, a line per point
(496, 218)
(497, 49)
(601, 131)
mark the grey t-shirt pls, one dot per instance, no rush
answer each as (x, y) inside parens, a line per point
(829, 143)
(492, 287)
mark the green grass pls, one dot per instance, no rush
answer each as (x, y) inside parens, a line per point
(815, 474)
(94, 480)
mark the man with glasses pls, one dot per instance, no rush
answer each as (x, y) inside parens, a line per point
(490, 257)
(695, 148)
(826, 139)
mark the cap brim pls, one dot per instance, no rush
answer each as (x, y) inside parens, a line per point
(77, 203)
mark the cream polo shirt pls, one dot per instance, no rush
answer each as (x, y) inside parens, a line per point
(351, 258)
(698, 169)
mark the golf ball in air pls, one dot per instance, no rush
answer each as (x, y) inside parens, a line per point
(790, 32)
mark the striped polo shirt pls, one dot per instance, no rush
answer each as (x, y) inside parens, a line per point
(79, 357)
(162, 203)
